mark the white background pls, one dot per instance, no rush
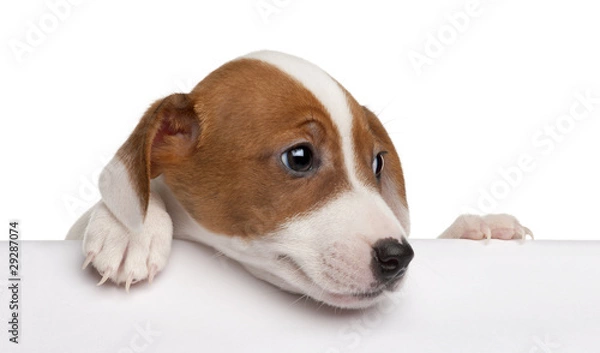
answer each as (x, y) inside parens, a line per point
(76, 93)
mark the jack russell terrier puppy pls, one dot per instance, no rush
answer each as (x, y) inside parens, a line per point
(273, 163)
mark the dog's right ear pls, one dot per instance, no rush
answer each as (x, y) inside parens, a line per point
(167, 133)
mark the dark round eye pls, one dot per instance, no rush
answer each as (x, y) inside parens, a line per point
(298, 158)
(378, 164)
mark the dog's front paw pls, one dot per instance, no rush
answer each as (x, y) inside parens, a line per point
(491, 226)
(124, 256)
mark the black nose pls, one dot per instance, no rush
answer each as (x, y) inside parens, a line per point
(391, 258)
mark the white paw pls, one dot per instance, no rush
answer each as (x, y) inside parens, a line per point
(491, 226)
(124, 256)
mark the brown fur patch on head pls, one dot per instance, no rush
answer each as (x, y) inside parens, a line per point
(233, 182)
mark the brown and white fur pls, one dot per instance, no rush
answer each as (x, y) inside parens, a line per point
(210, 166)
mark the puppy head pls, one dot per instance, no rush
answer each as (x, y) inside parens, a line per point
(285, 171)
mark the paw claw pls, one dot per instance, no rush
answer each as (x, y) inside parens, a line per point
(128, 282)
(88, 260)
(105, 277)
(487, 232)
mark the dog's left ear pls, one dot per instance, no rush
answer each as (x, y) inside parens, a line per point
(166, 134)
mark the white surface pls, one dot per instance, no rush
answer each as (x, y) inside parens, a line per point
(461, 296)
(70, 104)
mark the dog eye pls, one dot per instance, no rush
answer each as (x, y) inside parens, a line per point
(298, 158)
(378, 164)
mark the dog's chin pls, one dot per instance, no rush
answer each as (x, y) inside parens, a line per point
(359, 300)
(351, 300)
(302, 284)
